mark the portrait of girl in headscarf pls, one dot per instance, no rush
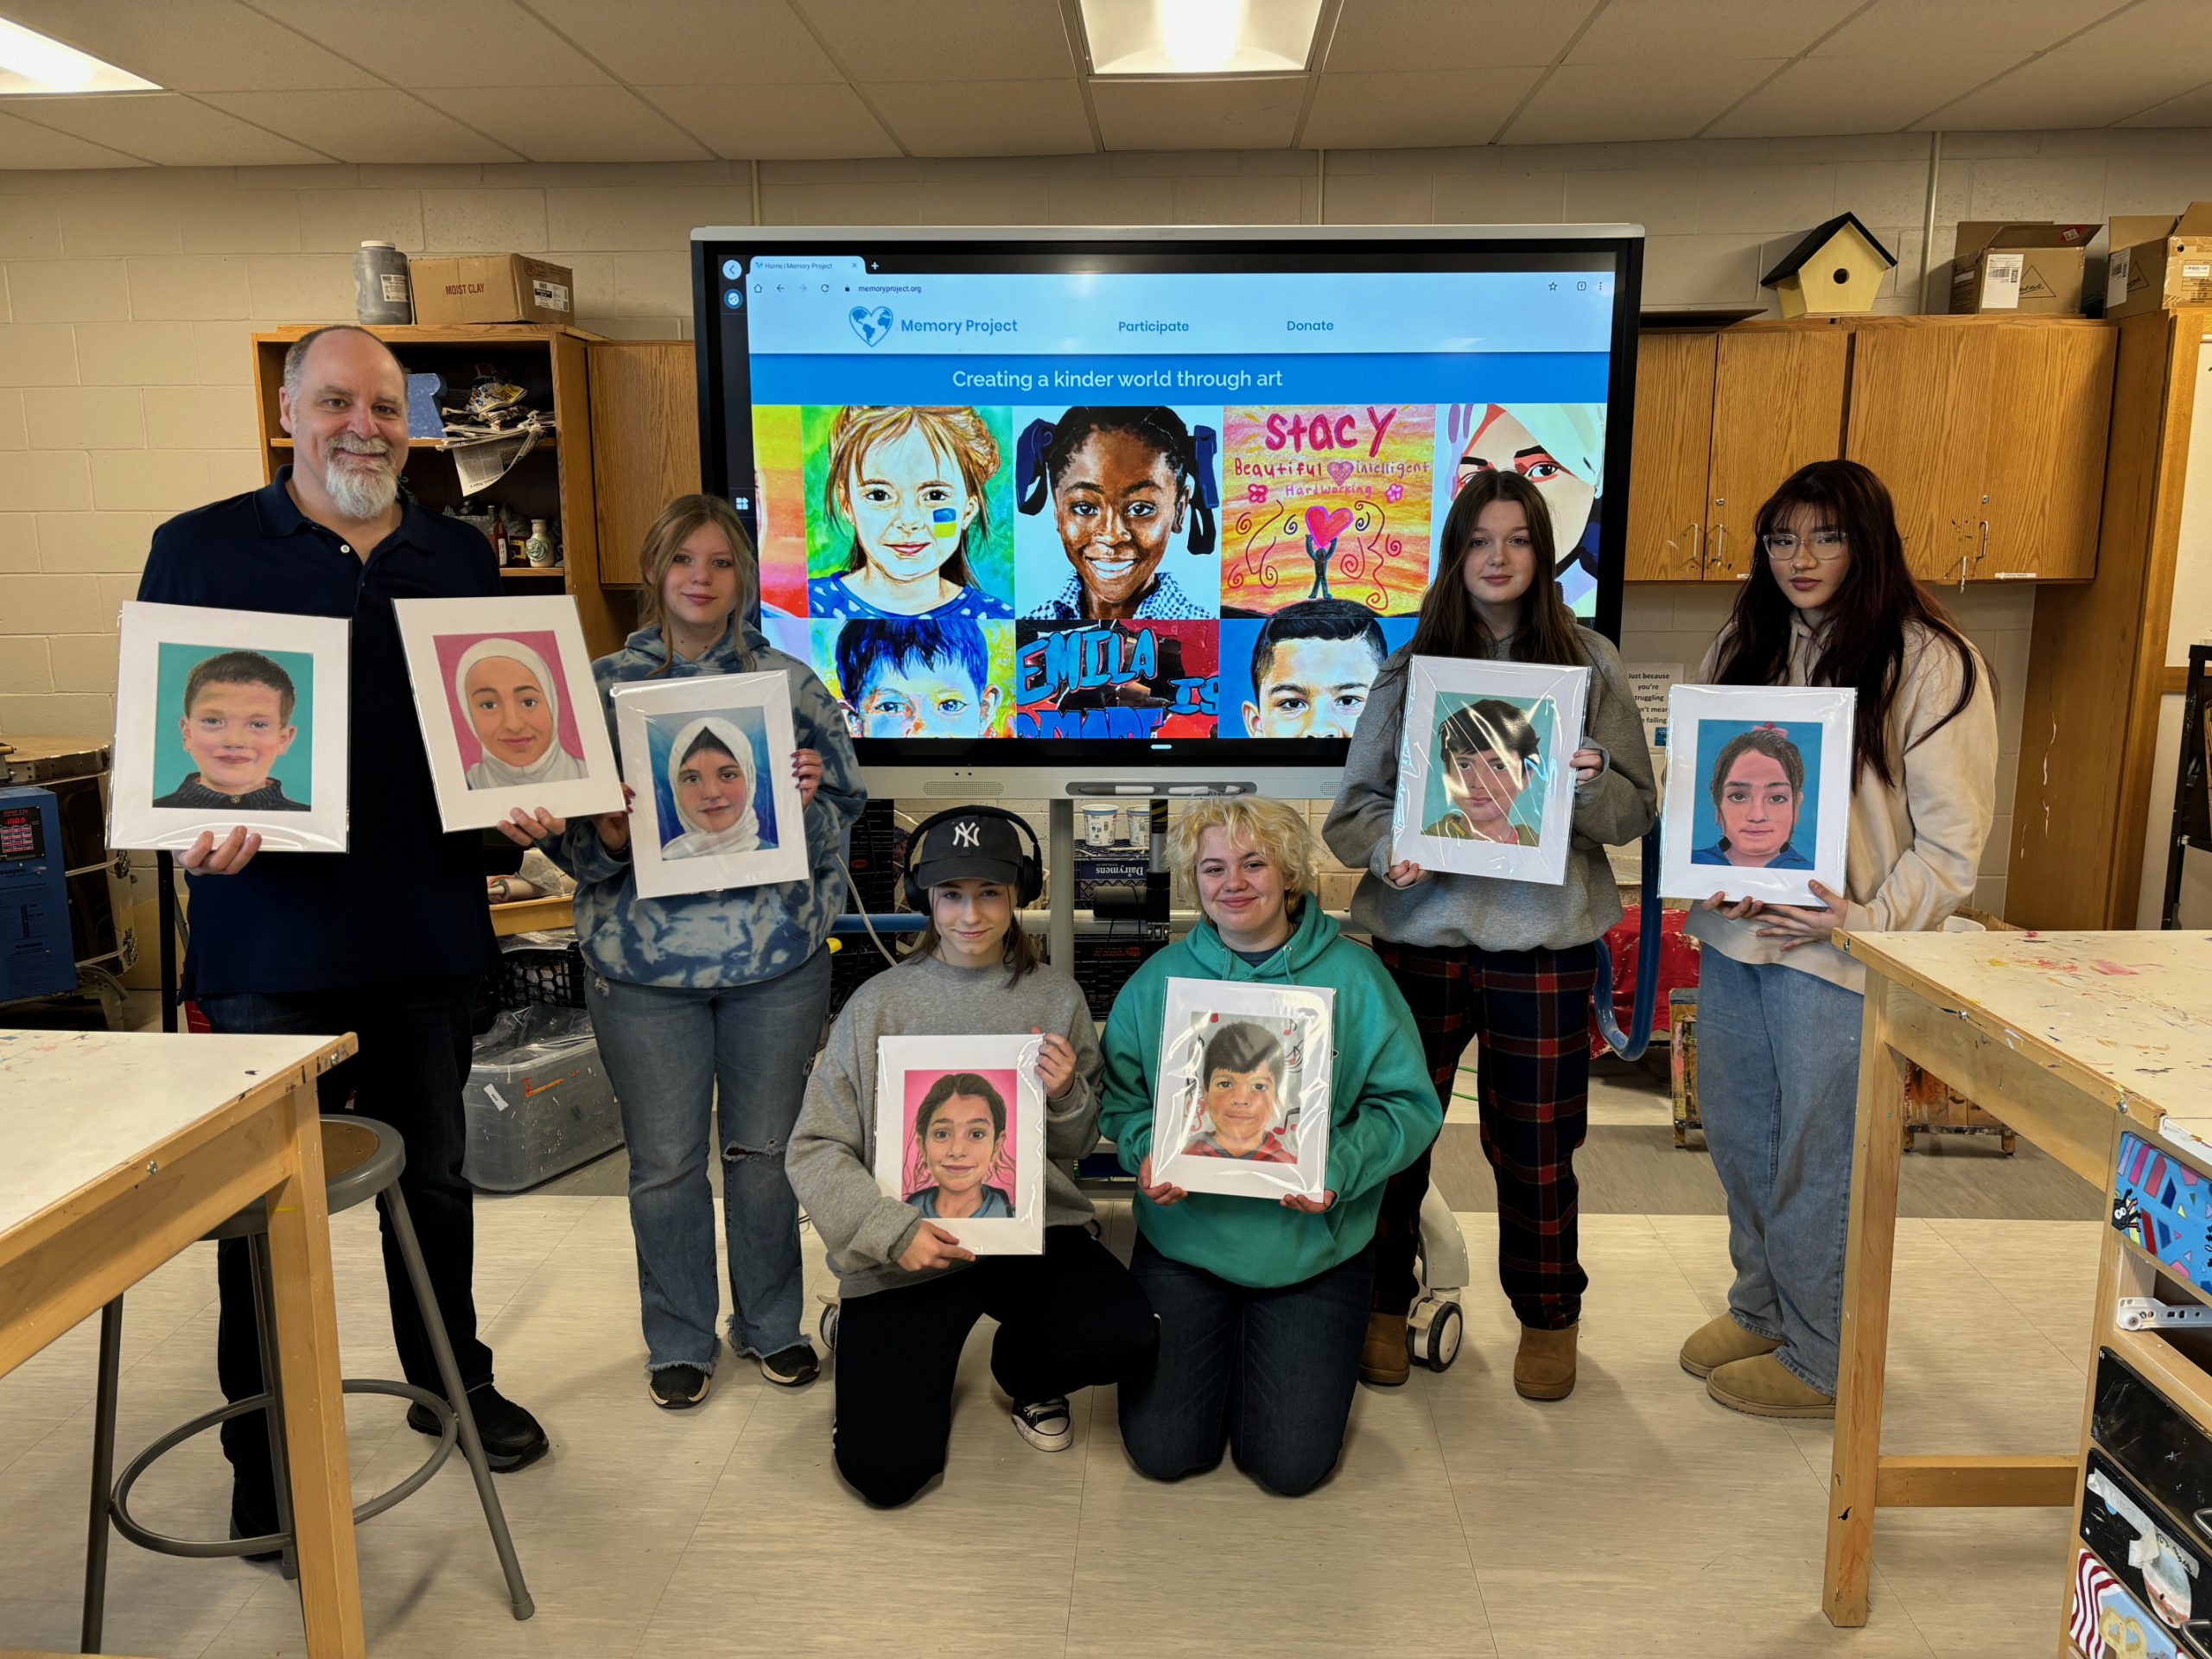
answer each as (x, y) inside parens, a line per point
(711, 778)
(512, 701)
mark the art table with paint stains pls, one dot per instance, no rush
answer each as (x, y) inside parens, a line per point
(2074, 1040)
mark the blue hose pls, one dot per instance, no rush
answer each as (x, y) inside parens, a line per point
(1651, 932)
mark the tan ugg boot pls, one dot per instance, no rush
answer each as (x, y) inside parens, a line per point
(1544, 1368)
(1720, 1342)
(1762, 1387)
(1382, 1360)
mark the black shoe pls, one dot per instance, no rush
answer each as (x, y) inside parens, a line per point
(512, 1438)
(791, 1368)
(678, 1388)
(253, 1514)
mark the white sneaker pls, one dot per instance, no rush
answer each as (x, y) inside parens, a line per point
(1046, 1424)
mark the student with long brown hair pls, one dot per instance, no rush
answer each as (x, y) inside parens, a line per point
(707, 1005)
(1508, 965)
(1831, 602)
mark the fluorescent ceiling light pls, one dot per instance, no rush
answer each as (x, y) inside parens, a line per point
(31, 65)
(1199, 37)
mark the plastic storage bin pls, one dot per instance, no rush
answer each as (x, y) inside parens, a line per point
(539, 1102)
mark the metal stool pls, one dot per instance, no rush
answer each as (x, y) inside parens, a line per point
(361, 1161)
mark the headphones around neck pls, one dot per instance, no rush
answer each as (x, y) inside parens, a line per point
(1029, 874)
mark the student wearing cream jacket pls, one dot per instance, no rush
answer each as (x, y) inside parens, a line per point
(1830, 602)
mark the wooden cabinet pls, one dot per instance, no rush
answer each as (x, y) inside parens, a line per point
(644, 429)
(1720, 421)
(1990, 436)
(1777, 404)
(556, 481)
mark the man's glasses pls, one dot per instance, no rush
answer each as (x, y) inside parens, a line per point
(1826, 545)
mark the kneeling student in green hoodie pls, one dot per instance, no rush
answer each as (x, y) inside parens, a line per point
(1262, 1306)
(1068, 1318)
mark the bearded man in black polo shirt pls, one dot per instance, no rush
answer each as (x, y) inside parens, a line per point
(389, 940)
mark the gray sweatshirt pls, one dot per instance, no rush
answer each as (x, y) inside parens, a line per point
(832, 1153)
(1442, 910)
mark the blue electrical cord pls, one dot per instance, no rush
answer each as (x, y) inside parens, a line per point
(1652, 928)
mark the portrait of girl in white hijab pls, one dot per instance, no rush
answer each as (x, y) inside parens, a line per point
(712, 780)
(511, 700)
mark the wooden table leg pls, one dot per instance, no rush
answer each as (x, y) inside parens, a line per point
(1868, 1257)
(314, 1406)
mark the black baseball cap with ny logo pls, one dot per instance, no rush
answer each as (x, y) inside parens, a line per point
(964, 847)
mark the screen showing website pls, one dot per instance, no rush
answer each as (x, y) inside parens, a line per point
(1167, 499)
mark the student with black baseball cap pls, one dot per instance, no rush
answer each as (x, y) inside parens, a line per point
(1069, 1318)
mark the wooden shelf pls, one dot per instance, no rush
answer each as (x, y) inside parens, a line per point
(556, 571)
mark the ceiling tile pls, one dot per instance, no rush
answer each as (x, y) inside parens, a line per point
(570, 123)
(1622, 102)
(1898, 28)
(2150, 53)
(1258, 114)
(192, 46)
(379, 126)
(994, 117)
(1631, 31)
(1414, 108)
(2192, 109)
(693, 42)
(167, 129)
(784, 123)
(470, 37)
(976, 40)
(25, 145)
(1453, 34)
(1833, 95)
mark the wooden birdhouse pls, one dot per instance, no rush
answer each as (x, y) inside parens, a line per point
(1834, 272)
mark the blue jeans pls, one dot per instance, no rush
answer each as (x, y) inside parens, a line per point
(1778, 1088)
(672, 1054)
(1268, 1374)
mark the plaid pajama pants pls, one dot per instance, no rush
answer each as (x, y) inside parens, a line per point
(1528, 1014)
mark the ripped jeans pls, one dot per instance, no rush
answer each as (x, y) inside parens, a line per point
(669, 1052)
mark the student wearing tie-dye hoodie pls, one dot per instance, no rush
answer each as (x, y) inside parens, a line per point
(710, 1003)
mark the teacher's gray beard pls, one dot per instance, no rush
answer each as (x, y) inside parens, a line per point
(362, 492)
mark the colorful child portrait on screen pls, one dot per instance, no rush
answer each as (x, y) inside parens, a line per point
(906, 507)
(1306, 670)
(1119, 679)
(909, 678)
(959, 1163)
(1125, 486)
(1248, 1110)
(237, 715)
(1762, 787)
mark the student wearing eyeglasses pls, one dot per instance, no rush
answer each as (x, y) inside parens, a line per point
(1831, 603)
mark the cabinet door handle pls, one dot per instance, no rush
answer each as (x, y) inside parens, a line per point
(1984, 554)
(1697, 550)
(1720, 547)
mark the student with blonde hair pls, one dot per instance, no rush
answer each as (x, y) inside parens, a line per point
(707, 1005)
(1262, 1306)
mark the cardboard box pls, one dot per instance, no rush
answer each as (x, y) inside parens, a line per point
(492, 288)
(2000, 265)
(2157, 263)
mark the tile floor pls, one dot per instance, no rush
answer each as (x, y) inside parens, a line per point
(1637, 1518)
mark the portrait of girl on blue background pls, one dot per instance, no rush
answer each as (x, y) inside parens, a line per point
(1762, 785)
(1123, 484)
(906, 526)
(709, 801)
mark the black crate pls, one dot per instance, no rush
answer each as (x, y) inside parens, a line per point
(874, 857)
(540, 976)
(855, 961)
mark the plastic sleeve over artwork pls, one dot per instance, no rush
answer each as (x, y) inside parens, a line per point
(1242, 1103)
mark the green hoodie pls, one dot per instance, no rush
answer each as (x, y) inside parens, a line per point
(1381, 1108)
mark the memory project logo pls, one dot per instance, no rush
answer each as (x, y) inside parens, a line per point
(871, 322)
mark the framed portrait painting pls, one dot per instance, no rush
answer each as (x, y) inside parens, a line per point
(959, 1136)
(510, 715)
(713, 757)
(1484, 783)
(1759, 792)
(1241, 1104)
(224, 718)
